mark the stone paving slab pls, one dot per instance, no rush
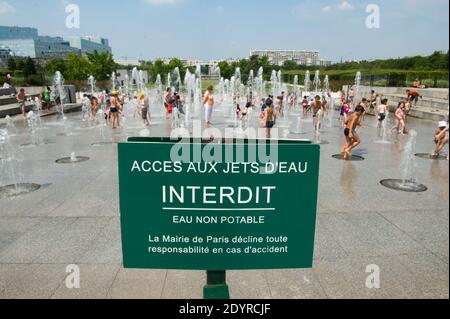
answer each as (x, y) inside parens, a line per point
(73, 243)
(294, 284)
(30, 281)
(368, 235)
(75, 219)
(28, 247)
(95, 282)
(250, 284)
(142, 284)
(181, 284)
(405, 276)
(107, 249)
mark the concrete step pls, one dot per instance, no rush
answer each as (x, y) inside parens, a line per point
(425, 113)
(6, 100)
(424, 98)
(440, 94)
(429, 114)
(7, 91)
(424, 102)
(13, 110)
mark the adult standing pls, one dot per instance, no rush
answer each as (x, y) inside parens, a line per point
(144, 106)
(268, 119)
(168, 102)
(208, 101)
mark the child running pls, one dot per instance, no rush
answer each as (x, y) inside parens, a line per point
(382, 111)
(318, 110)
(399, 119)
(305, 106)
(352, 138)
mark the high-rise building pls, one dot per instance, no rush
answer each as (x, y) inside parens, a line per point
(325, 63)
(26, 42)
(89, 44)
(279, 57)
(5, 53)
(39, 48)
(16, 33)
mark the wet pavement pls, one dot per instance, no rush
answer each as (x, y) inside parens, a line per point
(74, 219)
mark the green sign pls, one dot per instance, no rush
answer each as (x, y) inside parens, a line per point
(200, 206)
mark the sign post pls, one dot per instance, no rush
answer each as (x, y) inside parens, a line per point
(216, 285)
(218, 206)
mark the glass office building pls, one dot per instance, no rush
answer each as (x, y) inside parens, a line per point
(26, 42)
(16, 33)
(89, 44)
(39, 48)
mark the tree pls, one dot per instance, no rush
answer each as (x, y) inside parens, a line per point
(78, 68)
(225, 70)
(290, 65)
(158, 68)
(56, 65)
(29, 68)
(101, 65)
(12, 65)
(176, 63)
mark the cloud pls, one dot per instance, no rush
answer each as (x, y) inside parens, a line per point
(306, 10)
(311, 9)
(327, 9)
(6, 8)
(162, 2)
(345, 6)
(220, 10)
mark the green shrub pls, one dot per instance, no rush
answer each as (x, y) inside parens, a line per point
(381, 82)
(34, 80)
(428, 82)
(442, 83)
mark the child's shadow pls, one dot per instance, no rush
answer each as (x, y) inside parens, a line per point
(360, 152)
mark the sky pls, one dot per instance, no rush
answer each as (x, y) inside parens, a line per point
(216, 29)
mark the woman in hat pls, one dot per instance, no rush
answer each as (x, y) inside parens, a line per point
(144, 105)
(208, 102)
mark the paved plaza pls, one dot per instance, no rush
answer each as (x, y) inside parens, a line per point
(74, 219)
